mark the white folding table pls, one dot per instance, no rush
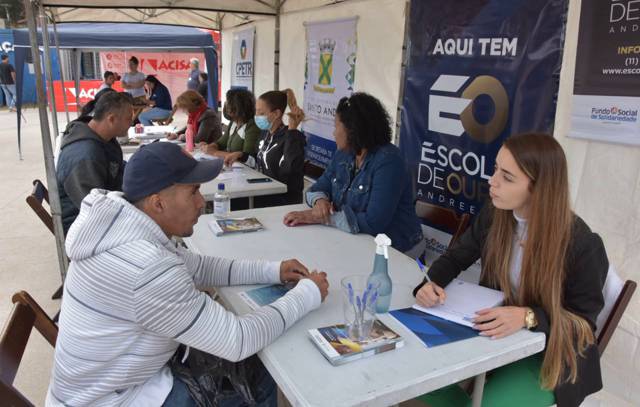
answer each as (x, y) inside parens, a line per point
(302, 373)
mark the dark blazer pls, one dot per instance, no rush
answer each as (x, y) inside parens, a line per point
(587, 266)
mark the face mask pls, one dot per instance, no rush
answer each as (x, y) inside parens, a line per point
(225, 113)
(262, 122)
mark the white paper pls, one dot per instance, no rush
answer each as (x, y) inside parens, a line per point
(463, 300)
(200, 156)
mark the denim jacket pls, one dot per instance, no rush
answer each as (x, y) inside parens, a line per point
(376, 199)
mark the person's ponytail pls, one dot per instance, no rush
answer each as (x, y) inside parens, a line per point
(295, 112)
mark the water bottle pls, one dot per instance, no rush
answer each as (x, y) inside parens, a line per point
(221, 202)
(380, 273)
(189, 139)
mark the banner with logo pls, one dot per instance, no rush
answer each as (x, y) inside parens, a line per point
(242, 59)
(171, 68)
(329, 76)
(88, 90)
(606, 92)
(29, 79)
(477, 72)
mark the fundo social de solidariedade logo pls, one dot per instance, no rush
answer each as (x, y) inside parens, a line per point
(454, 174)
(614, 114)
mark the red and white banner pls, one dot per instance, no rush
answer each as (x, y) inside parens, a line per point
(171, 68)
(88, 90)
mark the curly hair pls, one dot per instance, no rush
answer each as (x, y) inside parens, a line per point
(241, 104)
(366, 120)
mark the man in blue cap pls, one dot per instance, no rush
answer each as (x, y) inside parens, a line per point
(130, 296)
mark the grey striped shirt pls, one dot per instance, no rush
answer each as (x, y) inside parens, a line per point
(130, 299)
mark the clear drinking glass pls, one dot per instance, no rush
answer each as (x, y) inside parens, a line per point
(359, 305)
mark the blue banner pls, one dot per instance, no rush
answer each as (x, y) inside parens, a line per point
(29, 92)
(478, 71)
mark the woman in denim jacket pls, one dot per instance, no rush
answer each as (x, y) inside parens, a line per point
(366, 187)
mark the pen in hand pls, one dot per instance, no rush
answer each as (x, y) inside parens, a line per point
(423, 269)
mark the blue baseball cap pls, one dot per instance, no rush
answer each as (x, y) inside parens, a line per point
(159, 165)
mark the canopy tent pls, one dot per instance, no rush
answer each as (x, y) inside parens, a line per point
(93, 36)
(210, 14)
(216, 14)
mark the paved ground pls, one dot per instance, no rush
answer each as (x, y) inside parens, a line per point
(28, 254)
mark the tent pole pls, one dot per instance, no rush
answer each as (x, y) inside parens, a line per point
(276, 52)
(64, 90)
(49, 69)
(76, 77)
(54, 197)
(403, 68)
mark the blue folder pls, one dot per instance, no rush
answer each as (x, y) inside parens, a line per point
(432, 330)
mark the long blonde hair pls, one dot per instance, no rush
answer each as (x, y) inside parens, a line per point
(543, 270)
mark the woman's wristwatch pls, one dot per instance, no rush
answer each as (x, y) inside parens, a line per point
(530, 320)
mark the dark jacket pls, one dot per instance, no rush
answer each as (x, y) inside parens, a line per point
(377, 199)
(209, 127)
(203, 89)
(161, 97)
(281, 156)
(586, 267)
(86, 161)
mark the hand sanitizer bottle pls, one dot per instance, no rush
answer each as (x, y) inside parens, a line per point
(380, 273)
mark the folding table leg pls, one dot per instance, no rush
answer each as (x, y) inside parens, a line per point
(478, 388)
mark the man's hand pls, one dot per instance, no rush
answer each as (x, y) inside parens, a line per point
(172, 136)
(430, 295)
(499, 322)
(322, 211)
(320, 278)
(292, 271)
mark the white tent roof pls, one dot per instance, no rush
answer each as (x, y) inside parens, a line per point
(212, 14)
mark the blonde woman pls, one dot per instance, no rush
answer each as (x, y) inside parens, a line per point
(202, 122)
(550, 266)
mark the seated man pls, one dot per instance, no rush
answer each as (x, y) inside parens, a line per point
(130, 295)
(90, 157)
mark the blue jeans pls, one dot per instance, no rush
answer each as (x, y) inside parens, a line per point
(266, 395)
(179, 395)
(155, 113)
(9, 95)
